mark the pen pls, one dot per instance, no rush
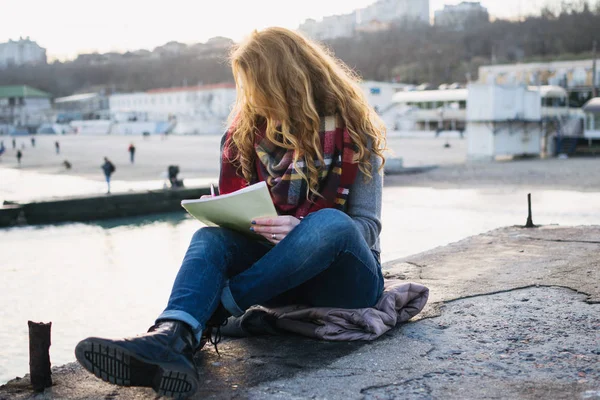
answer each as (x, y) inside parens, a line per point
(212, 190)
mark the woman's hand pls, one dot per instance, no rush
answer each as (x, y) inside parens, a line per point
(274, 229)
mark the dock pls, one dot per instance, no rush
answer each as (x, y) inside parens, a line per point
(97, 207)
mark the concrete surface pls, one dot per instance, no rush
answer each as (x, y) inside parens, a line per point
(552, 173)
(513, 314)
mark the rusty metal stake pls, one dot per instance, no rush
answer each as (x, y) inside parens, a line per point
(529, 223)
(39, 355)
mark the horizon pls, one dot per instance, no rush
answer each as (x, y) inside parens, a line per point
(130, 30)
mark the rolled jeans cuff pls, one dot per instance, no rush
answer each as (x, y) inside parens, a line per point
(229, 303)
(184, 317)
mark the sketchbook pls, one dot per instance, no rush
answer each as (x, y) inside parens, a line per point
(234, 210)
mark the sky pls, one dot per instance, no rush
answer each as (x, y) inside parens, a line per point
(69, 27)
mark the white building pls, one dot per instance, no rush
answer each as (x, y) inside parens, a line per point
(380, 96)
(24, 106)
(381, 12)
(84, 103)
(21, 52)
(447, 109)
(576, 76)
(393, 10)
(430, 110)
(503, 121)
(330, 27)
(195, 101)
(194, 109)
(461, 15)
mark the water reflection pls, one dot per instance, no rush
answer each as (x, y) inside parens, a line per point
(172, 219)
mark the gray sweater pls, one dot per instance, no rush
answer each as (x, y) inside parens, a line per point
(364, 204)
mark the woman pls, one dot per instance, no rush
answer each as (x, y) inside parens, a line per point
(302, 124)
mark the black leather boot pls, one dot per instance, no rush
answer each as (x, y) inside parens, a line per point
(161, 359)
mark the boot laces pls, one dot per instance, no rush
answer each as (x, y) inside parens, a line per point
(217, 337)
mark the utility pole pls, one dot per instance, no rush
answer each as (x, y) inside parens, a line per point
(594, 91)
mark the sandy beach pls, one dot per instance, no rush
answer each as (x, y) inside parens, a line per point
(41, 173)
(197, 156)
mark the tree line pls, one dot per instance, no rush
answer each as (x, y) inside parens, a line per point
(408, 52)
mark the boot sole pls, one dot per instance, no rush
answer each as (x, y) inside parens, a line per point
(117, 365)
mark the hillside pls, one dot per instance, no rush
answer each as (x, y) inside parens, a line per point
(408, 52)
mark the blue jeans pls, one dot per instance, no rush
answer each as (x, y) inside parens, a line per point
(107, 181)
(324, 261)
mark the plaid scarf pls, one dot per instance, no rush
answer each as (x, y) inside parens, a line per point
(274, 165)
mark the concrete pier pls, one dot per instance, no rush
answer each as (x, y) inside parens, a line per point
(514, 314)
(9, 214)
(88, 208)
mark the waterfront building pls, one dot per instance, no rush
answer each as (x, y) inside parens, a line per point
(191, 109)
(24, 106)
(447, 109)
(461, 15)
(429, 110)
(380, 94)
(375, 17)
(503, 121)
(575, 76)
(83, 104)
(203, 100)
(21, 52)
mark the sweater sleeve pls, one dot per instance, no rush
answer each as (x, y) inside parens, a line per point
(364, 202)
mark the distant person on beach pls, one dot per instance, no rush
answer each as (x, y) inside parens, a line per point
(57, 147)
(19, 156)
(302, 124)
(131, 150)
(172, 172)
(2, 148)
(67, 164)
(32, 141)
(108, 168)
(14, 143)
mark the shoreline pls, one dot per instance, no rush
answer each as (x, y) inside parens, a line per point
(198, 159)
(574, 174)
